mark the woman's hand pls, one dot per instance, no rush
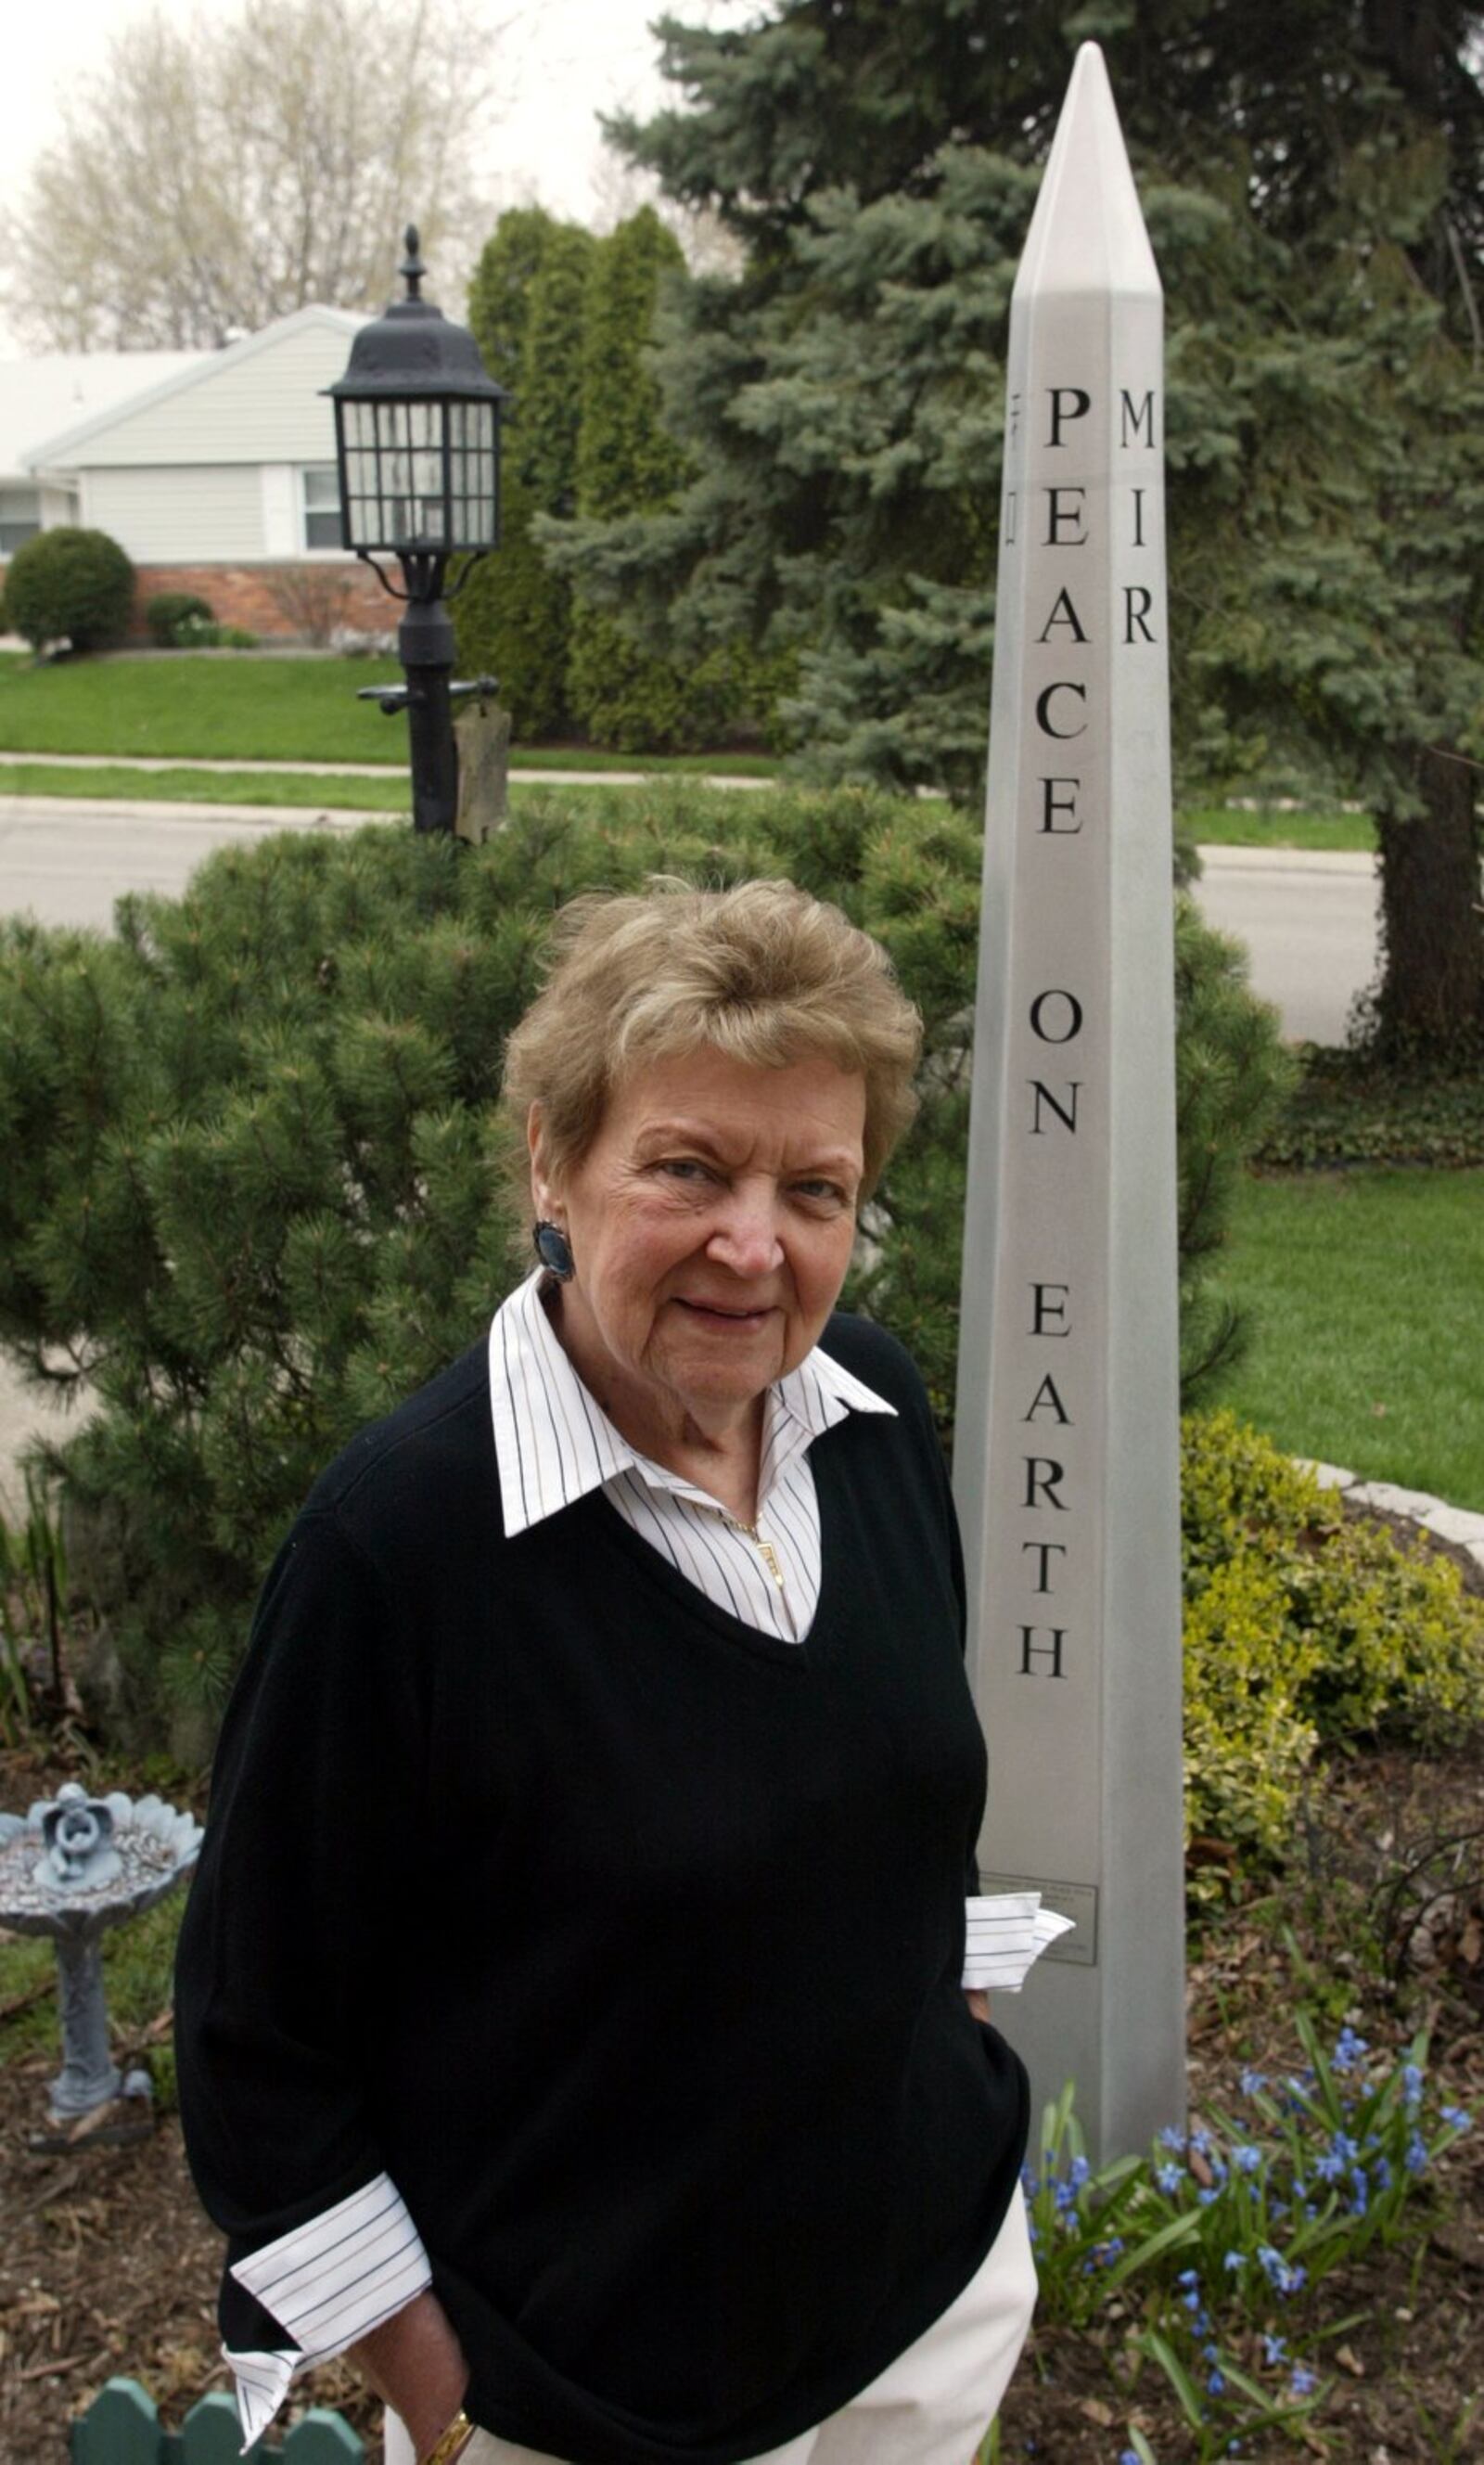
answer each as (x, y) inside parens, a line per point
(978, 2000)
(416, 2365)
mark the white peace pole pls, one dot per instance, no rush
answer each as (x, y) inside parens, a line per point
(1067, 1425)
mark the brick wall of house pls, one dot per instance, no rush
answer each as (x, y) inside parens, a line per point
(281, 602)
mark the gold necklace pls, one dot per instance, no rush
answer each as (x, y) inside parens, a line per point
(764, 1549)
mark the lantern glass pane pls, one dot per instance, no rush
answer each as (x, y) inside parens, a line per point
(420, 473)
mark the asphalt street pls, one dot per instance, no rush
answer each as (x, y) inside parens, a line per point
(1308, 921)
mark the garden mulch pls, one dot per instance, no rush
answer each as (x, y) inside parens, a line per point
(107, 2266)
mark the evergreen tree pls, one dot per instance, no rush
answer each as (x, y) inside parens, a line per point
(622, 693)
(1312, 174)
(499, 289)
(526, 310)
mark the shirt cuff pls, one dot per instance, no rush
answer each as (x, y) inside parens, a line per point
(329, 2281)
(1005, 1933)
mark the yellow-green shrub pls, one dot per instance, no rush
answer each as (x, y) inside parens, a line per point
(1248, 1744)
(1302, 1623)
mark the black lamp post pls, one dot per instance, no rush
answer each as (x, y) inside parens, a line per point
(417, 443)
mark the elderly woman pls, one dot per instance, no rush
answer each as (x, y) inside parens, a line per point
(574, 2013)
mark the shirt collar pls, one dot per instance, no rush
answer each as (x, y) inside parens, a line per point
(554, 1443)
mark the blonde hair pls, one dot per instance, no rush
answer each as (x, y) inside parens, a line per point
(762, 972)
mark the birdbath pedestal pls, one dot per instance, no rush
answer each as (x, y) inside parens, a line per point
(71, 1867)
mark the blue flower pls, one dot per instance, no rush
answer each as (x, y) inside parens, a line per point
(1169, 2138)
(1455, 2118)
(1128, 2456)
(1416, 2154)
(1348, 2049)
(1337, 2158)
(1188, 2276)
(1236, 2261)
(1169, 2179)
(1253, 2083)
(1080, 2170)
(1205, 2197)
(1028, 2181)
(1216, 2386)
(1359, 2190)
(1411, 2085)
(1274, 2349)
(1303, 2380)
(1286, 2276)
(1247, 2160)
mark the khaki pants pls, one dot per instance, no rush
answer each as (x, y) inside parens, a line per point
(932, 2405)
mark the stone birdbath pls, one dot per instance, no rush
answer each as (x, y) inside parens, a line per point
(70, 1867)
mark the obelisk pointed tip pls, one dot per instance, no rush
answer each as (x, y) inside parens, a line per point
(1087, 233)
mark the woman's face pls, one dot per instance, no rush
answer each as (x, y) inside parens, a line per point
(711, 1222)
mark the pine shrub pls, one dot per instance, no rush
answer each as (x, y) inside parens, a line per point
(69, 586)
(254, 1193)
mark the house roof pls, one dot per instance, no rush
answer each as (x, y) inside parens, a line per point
(36, 395)
(56, 452)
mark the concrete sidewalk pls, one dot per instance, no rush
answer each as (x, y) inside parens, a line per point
(145, 762)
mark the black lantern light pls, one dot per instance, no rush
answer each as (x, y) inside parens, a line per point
(417, 445)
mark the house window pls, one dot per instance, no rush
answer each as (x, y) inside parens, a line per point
(320, 502)
(20, 517)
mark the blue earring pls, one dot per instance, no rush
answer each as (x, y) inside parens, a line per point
(553, 1252)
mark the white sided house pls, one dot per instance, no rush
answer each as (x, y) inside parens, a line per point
(62, 390)
(220, 480)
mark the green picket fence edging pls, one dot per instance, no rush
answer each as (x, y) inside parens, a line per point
(121, 2427)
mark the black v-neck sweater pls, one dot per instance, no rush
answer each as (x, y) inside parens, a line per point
(626, 1939)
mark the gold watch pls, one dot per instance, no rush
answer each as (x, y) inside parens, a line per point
(451, 2442)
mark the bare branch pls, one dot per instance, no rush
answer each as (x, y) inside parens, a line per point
(212, 178)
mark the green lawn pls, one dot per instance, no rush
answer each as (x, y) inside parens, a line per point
(1366, 1294)
(286, 787)
(256, 709)
(249, 709)
(1229, 826)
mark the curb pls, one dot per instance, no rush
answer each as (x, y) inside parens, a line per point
(1326, 863)
(519, 776)
(1452, 1525)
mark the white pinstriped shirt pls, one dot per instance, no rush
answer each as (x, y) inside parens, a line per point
(333, 2279)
